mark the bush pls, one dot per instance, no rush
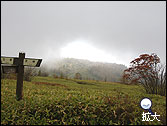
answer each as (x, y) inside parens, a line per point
(78, 76)
(29, 72)
(44, 74)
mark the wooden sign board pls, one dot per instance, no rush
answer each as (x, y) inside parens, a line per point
(9, 69)
(7, 60)
(26, 62)
(32, 62)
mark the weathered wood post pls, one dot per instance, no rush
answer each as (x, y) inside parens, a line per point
(20, 75)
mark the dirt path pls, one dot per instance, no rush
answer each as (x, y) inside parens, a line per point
(52, 84)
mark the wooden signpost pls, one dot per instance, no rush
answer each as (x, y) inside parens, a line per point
(18, 64)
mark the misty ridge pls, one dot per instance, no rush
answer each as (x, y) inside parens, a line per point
(68, 67)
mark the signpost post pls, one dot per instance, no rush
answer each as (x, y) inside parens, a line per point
(18, 67)
(20, 75)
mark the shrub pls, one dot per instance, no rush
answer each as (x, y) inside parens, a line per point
(29, 72)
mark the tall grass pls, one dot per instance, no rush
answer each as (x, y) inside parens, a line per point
(50, 101)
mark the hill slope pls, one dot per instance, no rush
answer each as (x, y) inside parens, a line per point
(88, 70)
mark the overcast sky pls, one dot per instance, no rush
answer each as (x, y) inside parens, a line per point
(117, 31)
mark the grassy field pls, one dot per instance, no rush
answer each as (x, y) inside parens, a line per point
(53, 101)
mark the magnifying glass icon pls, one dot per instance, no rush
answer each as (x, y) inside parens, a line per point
(146, 104)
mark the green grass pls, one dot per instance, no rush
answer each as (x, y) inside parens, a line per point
(77, 102)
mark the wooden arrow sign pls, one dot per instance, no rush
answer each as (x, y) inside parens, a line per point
(32, 62)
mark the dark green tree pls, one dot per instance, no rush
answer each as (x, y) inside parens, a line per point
(78, 76)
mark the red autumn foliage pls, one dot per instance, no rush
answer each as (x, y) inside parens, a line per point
(142, 67)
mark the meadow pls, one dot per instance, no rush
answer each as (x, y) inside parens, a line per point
(54, 101)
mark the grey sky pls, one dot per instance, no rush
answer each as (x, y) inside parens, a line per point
(123, 29)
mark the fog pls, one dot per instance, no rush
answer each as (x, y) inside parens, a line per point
(116, 32)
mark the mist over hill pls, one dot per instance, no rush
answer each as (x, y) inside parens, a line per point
(68, 67)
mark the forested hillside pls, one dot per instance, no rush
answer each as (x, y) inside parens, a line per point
(68, 67)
